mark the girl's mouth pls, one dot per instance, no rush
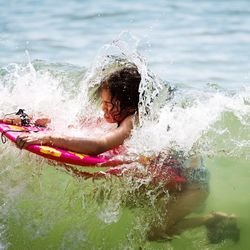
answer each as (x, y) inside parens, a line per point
(109, 117)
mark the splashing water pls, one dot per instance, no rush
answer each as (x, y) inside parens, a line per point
(187, 121)
(37, 200)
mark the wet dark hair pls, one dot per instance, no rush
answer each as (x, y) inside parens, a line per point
(123, 85)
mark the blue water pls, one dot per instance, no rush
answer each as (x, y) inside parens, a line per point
(183, 41)
(200, 46)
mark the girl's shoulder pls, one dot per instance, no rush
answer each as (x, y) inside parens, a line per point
(131, 120)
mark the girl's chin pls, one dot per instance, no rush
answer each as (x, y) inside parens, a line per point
(110, 119)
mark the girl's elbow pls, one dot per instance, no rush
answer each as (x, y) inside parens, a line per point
(101, 147)
(97, 149)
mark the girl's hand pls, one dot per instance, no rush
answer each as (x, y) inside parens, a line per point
(14, 120)
(42, 122)
(25, 140)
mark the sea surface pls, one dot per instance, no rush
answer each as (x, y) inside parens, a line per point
(52, 52)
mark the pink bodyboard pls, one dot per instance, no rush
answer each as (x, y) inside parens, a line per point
(54, 153)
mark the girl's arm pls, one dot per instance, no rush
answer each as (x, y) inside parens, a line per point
(91, 146)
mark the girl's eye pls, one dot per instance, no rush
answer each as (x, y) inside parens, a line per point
(108, 104)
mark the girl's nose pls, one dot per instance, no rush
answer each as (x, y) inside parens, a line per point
(104, 106)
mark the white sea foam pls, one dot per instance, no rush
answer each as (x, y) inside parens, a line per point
(182, 126)
(180, 122)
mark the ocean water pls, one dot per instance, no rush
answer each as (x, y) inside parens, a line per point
(51, 53)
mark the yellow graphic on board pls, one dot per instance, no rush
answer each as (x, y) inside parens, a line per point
(15, 127)
(81, 156)
(50, 151)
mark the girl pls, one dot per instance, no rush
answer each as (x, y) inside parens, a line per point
(119, 94)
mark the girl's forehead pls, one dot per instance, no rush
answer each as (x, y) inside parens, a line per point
(105, 94)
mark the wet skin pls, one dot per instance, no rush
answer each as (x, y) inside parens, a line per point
(93, 146)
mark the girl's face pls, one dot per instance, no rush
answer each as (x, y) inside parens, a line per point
(111, 109)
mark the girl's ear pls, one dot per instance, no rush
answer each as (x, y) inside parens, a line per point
(118, 105)
(131, 110)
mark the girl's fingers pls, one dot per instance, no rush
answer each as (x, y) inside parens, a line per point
(21, 141)
(43, 122)
(13, 121)
(25, 140)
